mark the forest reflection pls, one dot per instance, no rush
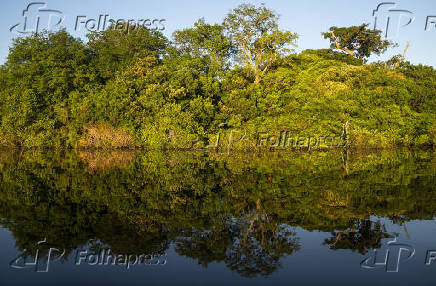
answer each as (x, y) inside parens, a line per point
(241, 209)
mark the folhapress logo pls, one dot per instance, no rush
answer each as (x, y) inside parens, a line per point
(37, 17)
(389, 19)
(43, 257)
(389, 258)
(40, 260)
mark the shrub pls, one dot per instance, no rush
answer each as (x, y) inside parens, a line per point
(105, 136)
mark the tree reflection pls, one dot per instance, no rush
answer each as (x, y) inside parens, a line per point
(251, 245)
(362, 237)
(241, 210)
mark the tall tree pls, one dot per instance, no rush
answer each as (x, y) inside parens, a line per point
(205, 41)
(358, 41)
(116, 49)
(256, 36)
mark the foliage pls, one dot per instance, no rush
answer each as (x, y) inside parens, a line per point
(255, 34)
(212, 79)
(357, 41)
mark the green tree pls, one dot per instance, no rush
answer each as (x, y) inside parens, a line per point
(358, 41)
(257, 38)
(116, 49)
(205, 41)
(43, 71)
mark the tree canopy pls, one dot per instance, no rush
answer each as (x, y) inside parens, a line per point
(358, 41)
(130, 89)
(255, 34)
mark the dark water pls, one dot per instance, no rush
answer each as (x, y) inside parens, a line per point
(191, 218)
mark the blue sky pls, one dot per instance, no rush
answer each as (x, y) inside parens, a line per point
(307, 18)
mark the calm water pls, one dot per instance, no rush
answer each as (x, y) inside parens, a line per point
(192, 218)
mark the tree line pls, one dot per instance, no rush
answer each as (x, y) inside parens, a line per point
(136, 88)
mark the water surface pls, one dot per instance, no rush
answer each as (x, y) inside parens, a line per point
(193, 218)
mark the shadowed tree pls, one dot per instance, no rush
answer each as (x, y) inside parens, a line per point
(41, 74)
(116, 49)
(205, 41)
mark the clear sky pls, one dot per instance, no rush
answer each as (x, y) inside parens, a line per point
(307, 18)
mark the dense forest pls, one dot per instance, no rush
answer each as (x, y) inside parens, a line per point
(135, 89)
